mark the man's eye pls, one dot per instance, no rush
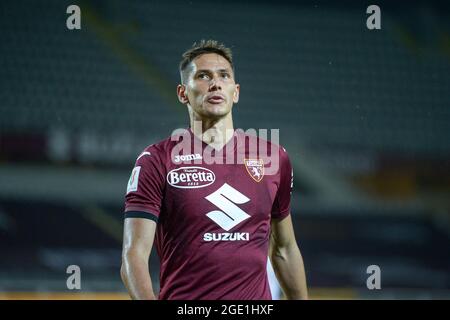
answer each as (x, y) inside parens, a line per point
(203, 76)
(226, 75)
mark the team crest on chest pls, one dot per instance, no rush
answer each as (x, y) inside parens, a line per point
(255, 168)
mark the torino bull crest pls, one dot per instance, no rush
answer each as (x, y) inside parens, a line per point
(255, 168)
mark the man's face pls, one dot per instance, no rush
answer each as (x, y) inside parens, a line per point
(210, 88)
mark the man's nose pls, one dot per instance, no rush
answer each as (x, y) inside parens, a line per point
(214, 85)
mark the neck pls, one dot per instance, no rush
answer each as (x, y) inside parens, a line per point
(215, 132)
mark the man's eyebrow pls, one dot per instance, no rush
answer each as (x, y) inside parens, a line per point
(209, 70)
(225, 70)
(202, 70)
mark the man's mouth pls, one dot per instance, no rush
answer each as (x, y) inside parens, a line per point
(215, 99)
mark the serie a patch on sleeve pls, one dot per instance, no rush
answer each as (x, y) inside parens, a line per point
(134, 180)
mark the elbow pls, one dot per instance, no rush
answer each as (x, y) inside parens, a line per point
(279, 250)
(123, 272)
(283, 252)
(278, 255)
(125, 266)
(131, 259)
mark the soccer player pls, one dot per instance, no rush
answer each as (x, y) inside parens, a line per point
(214, 223)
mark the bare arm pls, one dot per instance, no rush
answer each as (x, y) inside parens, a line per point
(287, 260)
(138, 239)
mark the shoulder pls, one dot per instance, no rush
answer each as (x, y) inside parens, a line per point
(160, 151)
(264, 145)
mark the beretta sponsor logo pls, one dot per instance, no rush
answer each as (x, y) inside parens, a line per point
(190, 177)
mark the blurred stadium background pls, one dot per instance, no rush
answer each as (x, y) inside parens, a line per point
(364, 115)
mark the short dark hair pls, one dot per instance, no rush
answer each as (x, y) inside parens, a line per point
(205, 46)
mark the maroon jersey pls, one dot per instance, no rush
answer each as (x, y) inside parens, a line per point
(213, 219)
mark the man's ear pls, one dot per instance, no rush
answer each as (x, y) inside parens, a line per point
(181, 93)
(236, 94)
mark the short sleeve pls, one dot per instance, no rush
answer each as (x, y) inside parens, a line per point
(282, 203)
(145, 187)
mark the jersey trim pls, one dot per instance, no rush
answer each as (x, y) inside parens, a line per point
(141, 214)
